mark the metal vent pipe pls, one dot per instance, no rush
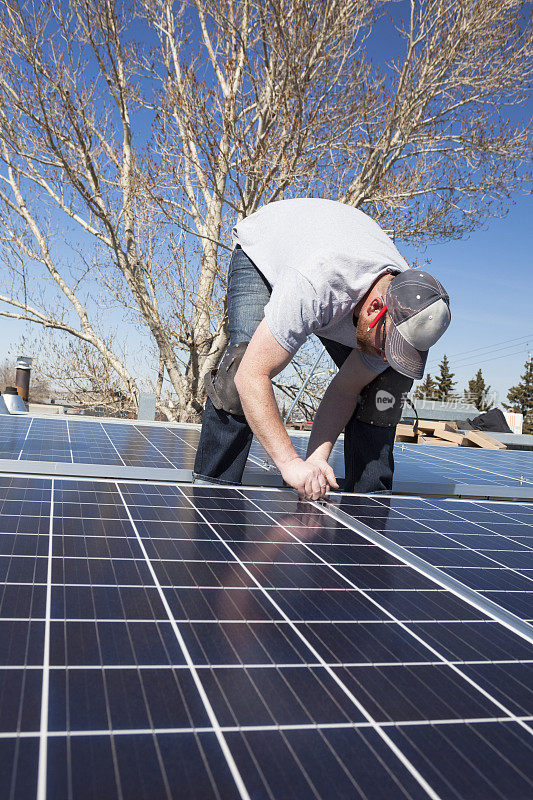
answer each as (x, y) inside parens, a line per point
(13, 401)
(22, 377)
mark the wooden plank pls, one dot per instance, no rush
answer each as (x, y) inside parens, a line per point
(434, 440)
(431, 425)
(449, 436)
(485, 440)
(402, 438)
(405, 430)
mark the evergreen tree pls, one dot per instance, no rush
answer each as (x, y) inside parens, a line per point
(521, 397)
(477, 392)
(426, 389)
(445, 382)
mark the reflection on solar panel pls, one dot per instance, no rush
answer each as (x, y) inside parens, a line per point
(178, 641)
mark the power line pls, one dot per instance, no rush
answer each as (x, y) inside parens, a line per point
(487, 347)
(484, 360)
(493, 350)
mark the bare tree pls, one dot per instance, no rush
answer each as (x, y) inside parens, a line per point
(125, 163)
(83, 376)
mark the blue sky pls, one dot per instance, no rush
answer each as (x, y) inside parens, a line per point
(486, 275)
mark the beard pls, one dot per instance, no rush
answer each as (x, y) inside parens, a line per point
(364, 336)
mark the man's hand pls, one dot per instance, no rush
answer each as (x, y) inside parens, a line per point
(325, 468)
(311, 479)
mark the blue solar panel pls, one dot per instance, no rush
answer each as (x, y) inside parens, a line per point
(464, 464)
(156, 447)
(448, 466)
(121, 444)
(174, 641)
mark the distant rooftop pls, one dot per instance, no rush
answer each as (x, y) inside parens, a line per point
(435, 409)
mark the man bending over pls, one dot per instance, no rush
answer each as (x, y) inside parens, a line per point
(310, 266)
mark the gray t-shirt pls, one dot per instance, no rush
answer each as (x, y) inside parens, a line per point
(320, 257)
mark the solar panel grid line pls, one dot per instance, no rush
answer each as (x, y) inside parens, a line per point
(204, 729)
(25, 438)
(393, 747)
(205, 700)
(256, 665)
(394, 619)
(501, 615)
(43, 740)
(283, 726)
(69, 442)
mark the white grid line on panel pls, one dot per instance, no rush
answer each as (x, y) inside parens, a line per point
(205, 700)
(267, 728)
(25, 439)
(252, 665)
(112, 445)
(70, 443)
(43, 741)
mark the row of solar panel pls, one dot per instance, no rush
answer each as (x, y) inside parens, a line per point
(159, 447)
(181, 641)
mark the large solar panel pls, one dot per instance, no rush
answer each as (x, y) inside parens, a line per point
(164, 640)
(59, 442)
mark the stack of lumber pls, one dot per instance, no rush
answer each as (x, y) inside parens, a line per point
(446, 434)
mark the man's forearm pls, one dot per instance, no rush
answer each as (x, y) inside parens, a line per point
(331, 418)
(262, 414)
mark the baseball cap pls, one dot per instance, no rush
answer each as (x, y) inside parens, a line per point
(419, 309)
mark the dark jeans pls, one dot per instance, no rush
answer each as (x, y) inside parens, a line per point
(225, 439)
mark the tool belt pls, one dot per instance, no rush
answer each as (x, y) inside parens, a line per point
(220, 383)
(381, 401)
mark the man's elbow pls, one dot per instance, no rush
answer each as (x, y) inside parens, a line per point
(247, 379)
(239, 380)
